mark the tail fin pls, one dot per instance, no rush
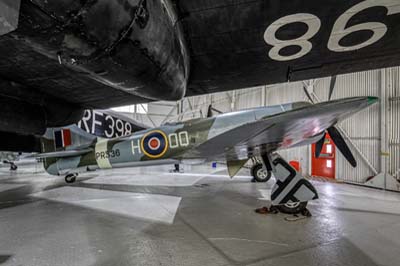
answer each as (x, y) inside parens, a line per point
(64, 139)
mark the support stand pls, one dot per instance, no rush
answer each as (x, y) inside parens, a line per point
(291, 187)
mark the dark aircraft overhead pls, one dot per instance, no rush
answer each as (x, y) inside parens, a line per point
(60, 57)
(99, 123)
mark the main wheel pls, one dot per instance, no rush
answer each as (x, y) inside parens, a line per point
(13, 167)
(71, 178)
(260, 174)
(293, 208)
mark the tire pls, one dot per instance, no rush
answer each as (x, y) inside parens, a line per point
(260, 174)
(69, 179)
(293, 208)
(13, 167)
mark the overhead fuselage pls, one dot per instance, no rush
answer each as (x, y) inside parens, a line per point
(58, 58)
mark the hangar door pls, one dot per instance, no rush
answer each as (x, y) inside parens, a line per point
(324, 166)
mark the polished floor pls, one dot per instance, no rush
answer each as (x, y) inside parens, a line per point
(148, 216)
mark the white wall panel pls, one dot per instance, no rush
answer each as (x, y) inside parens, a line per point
(300, 154)
(394, 124)
(362, 128)
(285, 93)
(250, 98)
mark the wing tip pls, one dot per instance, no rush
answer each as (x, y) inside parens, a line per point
(372, 99)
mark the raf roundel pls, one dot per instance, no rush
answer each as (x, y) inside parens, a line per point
(154, 144)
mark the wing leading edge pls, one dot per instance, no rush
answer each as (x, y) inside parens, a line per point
(298, 127)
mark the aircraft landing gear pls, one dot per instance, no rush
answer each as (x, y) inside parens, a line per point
(293, 208)
(260, 174)
(13, 167)
(70, 178)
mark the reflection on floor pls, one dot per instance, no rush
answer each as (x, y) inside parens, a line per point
(149, 216)
(140, 205)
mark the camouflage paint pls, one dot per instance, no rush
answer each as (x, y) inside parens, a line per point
(233, 136)
(179, 139)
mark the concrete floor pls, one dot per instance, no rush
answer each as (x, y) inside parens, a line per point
(151, 217)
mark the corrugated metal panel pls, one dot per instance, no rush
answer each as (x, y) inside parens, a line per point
(300, 154)
(394, 124)
(249, 98)
(285, 93)
(363, 128)
(221, 101)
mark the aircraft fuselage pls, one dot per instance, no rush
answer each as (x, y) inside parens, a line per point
(170, 143)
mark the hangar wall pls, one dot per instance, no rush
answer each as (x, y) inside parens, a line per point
(363, 129)
(394, 122)
(373, 134)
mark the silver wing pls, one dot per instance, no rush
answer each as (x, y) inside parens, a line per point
(298, 127)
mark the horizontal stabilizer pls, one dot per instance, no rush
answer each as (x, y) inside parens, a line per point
(60, 154)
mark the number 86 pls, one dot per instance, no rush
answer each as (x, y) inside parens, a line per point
(339, 30)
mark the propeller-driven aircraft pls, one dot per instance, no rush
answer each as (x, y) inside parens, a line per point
(235, 137)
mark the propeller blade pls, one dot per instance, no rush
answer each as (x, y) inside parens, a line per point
(342, 146)
(332, 87)
(308, 94)
(209, 112)
(319, 145)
